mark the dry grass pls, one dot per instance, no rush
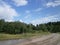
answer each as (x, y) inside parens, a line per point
(19, 36)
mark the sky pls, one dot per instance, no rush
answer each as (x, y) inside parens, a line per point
(30, 11)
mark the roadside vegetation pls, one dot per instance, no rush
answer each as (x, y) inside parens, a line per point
(17, 30)
(21, 36)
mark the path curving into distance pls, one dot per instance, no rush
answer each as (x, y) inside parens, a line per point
(52, 39)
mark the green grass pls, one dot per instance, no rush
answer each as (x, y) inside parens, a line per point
(20, 36)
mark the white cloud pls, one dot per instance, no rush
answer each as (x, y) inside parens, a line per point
(53, 3)
(21, 20)
(20, 2)
(45, 20)
(7, 12)
(38, 9)
(27, 11)
(27, 16)
(11, 20)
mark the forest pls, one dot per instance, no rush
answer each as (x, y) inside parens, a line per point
(21, 27)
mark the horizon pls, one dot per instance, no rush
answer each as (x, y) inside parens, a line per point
(30, 11)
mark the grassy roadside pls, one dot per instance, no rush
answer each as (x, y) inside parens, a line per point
(20, 36)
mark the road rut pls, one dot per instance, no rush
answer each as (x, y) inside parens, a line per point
(52, 39)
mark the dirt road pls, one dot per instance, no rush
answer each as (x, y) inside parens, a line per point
(52, 39)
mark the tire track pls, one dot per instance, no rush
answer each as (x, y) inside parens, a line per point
(53, 39)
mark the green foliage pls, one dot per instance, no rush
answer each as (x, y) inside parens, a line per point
(19, 27)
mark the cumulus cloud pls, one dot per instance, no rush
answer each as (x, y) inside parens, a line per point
(7, 12)
(45, 19)
(21, 20)
(20, 2)
(53, 3)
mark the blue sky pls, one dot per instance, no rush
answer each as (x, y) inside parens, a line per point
(30, 11)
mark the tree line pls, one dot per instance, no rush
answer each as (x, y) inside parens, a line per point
(20, 27)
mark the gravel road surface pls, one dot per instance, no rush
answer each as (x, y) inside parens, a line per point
(52, 39)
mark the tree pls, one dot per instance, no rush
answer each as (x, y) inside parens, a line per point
(1, 25)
